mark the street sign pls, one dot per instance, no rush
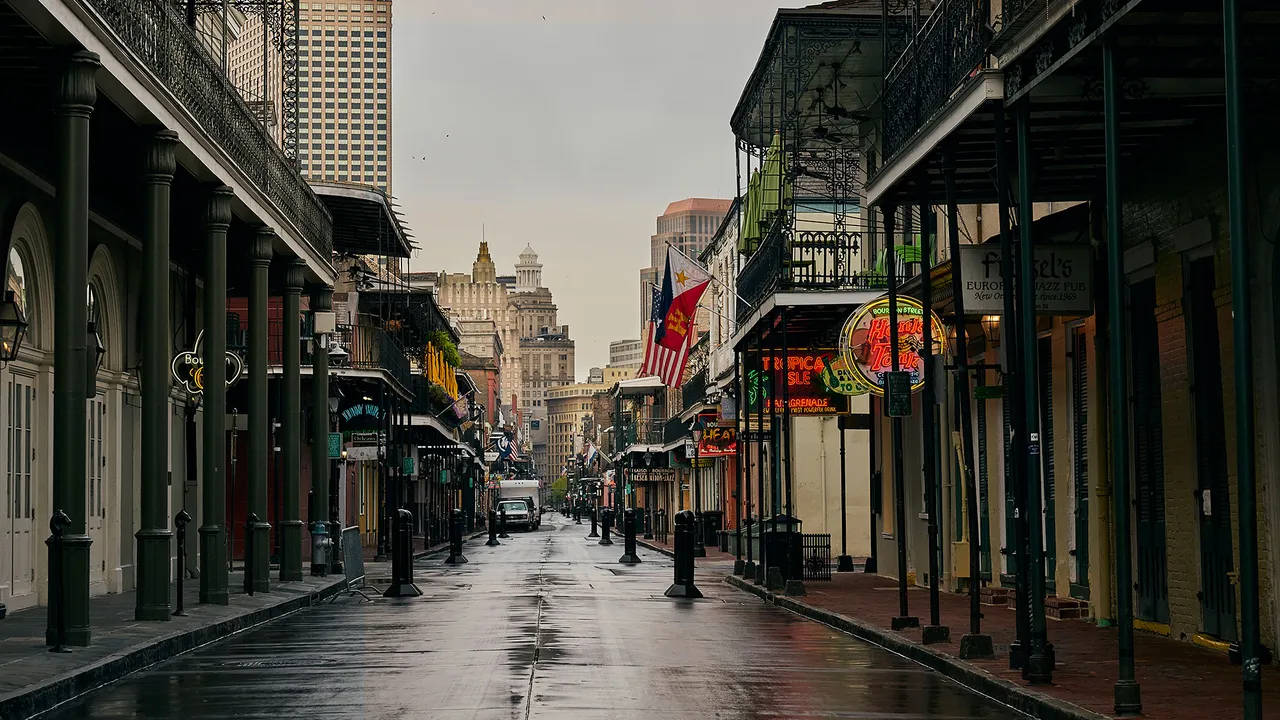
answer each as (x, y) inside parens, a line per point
(335, 446)
(688, 447)
(898, 392)
(491, 456)
(406, 465)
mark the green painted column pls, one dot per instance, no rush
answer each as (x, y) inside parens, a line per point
(213, 484)
(259, 262)
(321, 301)
(154, 537)
(1039, 667)
(1128, 696)
(77, 93)
(291, 523)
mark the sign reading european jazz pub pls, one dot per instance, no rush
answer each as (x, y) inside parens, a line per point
(866, 349)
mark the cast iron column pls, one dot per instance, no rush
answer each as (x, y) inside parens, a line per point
(1128, 696)
(321, 301)
(291, 523)
(77, 92)
(1039, 663)
(1242, 336)
(738, 565)
(213, 542)
(935, 631)
(903, 620)
(152, 596)
(259, 261)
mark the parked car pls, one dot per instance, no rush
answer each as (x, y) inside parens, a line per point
(518, 513)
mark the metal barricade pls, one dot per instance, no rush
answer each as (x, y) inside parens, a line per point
(352, 565)
(816, 551)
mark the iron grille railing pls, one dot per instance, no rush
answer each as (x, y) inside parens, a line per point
(160, 38)
(371, 348)
(815, 549)
(950, 48)
(802, 260)
(643, 432)
(1018, 14)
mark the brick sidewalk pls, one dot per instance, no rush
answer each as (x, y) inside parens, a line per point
(1179, 681)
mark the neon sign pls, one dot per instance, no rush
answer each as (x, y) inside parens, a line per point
(866, 347)
(188, 367)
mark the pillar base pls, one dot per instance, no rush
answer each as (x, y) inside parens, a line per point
(699, 550)
(213, 566)
(933, 634)
(903, 622)
(739, 567)
(319, 569)
(759, 576)
(749, 570)
(291, 551)
(1040, 667)
(629, 559)
(794, 588)
(261, 557)
(152, 591)
(593, 534)
(75, 579)
(605, 541)
(458, 559)
(492, 542)
(869, 566)
(773, 579)
(402, 590)
(1128, 698)
(844, 563)
(683, 590)
(647, 536)
(974, 646)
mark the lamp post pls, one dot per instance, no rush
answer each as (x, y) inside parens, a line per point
(699, 549)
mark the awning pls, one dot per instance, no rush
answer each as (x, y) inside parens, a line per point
(364, 220)
(637, 387)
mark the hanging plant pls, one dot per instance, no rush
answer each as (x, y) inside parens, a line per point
(442, 342)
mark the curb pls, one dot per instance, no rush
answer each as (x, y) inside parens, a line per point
(655, 548)
(419, 554)
(26, 703)
(1022, 699)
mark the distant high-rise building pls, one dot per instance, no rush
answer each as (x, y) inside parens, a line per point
(626, 353)
(688, 226)
(344, 92)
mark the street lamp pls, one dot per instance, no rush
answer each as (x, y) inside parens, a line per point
(648, 495)
(991, 328)
(699, 549)
(13, 325)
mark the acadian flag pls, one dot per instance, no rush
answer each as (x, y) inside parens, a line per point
(667, 364)
(682, 286)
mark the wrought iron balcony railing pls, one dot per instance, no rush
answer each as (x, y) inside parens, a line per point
(694, 388)
(642, 432)
(950, 48)
(157, 34)
(1015, 15)
(371, 348)
(791, 260)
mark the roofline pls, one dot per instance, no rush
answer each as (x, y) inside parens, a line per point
(371, 194)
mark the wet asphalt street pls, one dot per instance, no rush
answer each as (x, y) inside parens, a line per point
(546, 626)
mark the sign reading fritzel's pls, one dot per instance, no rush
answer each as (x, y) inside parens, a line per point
(1064, 279)
(866, 346)
(188, 367)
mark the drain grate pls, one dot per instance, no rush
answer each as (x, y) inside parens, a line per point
(277, 663)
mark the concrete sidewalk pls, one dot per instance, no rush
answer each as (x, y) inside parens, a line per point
(1179, 681)
(32, 679)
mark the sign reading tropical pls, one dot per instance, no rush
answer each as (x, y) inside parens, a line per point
(718, 441)
(866, 347)
(188, 367)
(807, 391)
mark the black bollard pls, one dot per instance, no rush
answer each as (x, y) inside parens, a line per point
(180, 521)
(648, 524)
(683, 585)
(455, 539)
(594, 532)
(493, 530)
(57, 595)
(605, 524)
(661, 520)
(249, 523)
(402, 556)
(577, 514)
(629, 556)
(502, 527)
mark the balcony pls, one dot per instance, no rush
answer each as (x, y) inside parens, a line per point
(371, 348)
(949, 50)
(157, 34)
(791, 260)
(643, 432)
(694, 389)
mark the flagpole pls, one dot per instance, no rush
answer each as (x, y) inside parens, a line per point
(710, 275)
(653, 284)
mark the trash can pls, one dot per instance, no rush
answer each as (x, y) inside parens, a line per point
(712, 524)
(782, 545)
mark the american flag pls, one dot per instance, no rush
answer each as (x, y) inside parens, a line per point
(664, 362)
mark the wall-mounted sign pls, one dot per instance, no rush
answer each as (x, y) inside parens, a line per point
(491, 456)
(335, 446)
(360, 415)
(1064, 279)
(865, 345)
(406, 465)
(807, 392)
(188, 367)
(717, 441)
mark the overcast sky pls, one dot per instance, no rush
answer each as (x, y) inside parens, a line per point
(567, 124)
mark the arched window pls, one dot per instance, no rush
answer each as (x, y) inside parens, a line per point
(18, 282)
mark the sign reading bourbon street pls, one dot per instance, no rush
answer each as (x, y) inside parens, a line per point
(1064, 279)
(866, 343)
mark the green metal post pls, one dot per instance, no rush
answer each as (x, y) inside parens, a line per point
(77, 93)
(291, 390)
(152, 597)
(903, 619)
(935, 631)
(1039, 667)
(1243, 351)
(259, 261)
(321, 301)
(213, 542)
(1128, 695)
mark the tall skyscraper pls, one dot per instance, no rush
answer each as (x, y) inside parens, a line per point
(344, 92)
(688, 226)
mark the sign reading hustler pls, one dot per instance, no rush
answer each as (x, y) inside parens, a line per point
(1064, 279)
